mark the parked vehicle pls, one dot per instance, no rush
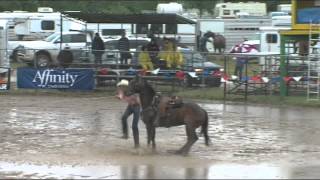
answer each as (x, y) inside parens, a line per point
(230, 10)
(44, 53)
(26, 25)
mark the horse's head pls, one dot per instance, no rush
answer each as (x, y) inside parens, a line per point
(136, 85)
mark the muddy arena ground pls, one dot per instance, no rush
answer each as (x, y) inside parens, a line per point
(79, 137)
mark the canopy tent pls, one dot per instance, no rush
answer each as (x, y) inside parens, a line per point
(145, 18)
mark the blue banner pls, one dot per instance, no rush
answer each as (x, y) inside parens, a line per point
(80, 79)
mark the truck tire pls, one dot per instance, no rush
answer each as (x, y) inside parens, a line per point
(42, 60)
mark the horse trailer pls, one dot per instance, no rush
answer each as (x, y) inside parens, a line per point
(235, 30)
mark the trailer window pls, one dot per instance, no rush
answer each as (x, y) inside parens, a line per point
(47, 25)
(226, 12)
(272, 38)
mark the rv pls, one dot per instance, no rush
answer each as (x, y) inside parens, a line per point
(38, 25)
(231, 10)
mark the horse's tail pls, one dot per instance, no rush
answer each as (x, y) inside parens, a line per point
(204, 128)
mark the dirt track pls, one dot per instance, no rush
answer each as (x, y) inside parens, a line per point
(73, 137)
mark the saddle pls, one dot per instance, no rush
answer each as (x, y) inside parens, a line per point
(164, 109)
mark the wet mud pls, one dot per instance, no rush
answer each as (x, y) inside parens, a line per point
(79, 137)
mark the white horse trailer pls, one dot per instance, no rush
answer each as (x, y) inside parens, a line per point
(234, 30)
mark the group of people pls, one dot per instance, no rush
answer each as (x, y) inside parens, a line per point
(152, 55)
(165, 56)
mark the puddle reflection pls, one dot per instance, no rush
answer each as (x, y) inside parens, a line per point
(221, 171)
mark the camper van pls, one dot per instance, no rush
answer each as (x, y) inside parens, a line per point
(231, 10)
(38, 25)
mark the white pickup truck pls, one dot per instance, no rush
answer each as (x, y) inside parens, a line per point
(44, 53)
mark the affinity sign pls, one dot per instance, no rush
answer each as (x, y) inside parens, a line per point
(82, 79)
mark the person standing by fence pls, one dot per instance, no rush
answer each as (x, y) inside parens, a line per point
(97, 48)
(124, 48)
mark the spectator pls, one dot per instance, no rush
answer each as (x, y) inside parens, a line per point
(97, 48)
(124, 48)
(153, 49)
(172, 57)
(144, 59)
(240, 61)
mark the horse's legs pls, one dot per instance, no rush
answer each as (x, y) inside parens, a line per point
(135, 128)
(192, 138)
(148, 126)
(153, 135)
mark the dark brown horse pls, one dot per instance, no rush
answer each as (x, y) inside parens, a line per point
(219, 42)
(155, 113)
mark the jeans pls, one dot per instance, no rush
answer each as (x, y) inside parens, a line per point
(135, 110)
(238, 71)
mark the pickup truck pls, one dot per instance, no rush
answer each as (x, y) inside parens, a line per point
(44, 53)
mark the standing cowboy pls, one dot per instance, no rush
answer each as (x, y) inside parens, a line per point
(133, 107)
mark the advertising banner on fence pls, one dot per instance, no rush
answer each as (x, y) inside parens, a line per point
(78, 79)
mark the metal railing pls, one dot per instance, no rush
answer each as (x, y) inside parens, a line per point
(261, 73)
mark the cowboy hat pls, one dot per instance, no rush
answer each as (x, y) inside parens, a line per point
(123, 82)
